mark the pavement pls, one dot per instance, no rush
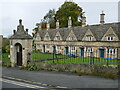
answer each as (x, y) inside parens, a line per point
(59, 79)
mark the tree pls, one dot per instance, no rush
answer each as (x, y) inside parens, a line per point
(69, 9)
(4, 44)
(50, 16)
(7, 48)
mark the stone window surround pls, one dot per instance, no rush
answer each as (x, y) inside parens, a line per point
(110, 38)
(89, 50)
(59, 48)
(89, 37)
(72, 48)
(38, 45)
(47, 46)
(47, 38)
(58, 38)
(71, 38)
(111, 51)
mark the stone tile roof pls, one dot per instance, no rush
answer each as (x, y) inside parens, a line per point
(20, 33)
(42, 33)
(52, 33)
(64, 32)
(97, 30)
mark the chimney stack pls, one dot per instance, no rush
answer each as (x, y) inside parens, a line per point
(83, 20)
(69, 22)
(57, 24)
(48, 26)
(102, 18)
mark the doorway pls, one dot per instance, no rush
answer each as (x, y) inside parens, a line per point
(18, 54)
(66, 50)
(101, 53)
(43, 48)
(82, 52)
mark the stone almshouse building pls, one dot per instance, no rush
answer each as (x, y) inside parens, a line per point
(101, 40)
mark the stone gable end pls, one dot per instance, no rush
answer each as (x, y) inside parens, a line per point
(71, 34)
(58, 34)
(38, 37)
(88, 33)
(110, 32)
(47, 36)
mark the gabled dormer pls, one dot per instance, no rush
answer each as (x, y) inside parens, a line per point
(38, 37)
(89, 36)
(71, 36)
(47, 37)
(110, 35)
(57, 37)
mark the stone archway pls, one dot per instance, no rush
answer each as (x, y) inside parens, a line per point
(18, 49)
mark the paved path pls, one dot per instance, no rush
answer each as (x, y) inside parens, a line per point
(61, 79)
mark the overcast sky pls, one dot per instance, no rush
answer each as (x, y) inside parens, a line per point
(32, 11)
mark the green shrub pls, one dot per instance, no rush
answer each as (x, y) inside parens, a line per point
(6, 64)
(32, 67)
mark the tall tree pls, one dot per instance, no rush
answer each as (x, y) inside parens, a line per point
(50, 15)
(69, 9)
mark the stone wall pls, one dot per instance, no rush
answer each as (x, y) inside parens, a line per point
(110, 71)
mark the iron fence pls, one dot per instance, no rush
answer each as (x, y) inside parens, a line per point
(72, 56)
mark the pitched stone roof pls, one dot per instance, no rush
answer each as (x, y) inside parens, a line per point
(42, 33)
(97, 30)
(20, 33)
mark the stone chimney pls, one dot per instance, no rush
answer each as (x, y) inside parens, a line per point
(57, 24)
(48, 26)
(69, 22)
(102, 18)
(39, 26)
(83, 20)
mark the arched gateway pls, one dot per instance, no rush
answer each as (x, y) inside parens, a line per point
(20, 46)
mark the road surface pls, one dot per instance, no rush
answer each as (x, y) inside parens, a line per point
(6, 83)
(60, 79)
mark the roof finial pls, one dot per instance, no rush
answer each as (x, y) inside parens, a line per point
(20, 21)
(102, 12)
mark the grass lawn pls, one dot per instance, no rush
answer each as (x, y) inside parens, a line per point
(43, 56)
(79, 60)
(85, 60)
(35, 56)
(5, 57)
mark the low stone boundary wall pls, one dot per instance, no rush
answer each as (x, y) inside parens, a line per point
(81, 69)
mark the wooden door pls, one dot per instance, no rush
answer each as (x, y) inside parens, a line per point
(19, 58)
